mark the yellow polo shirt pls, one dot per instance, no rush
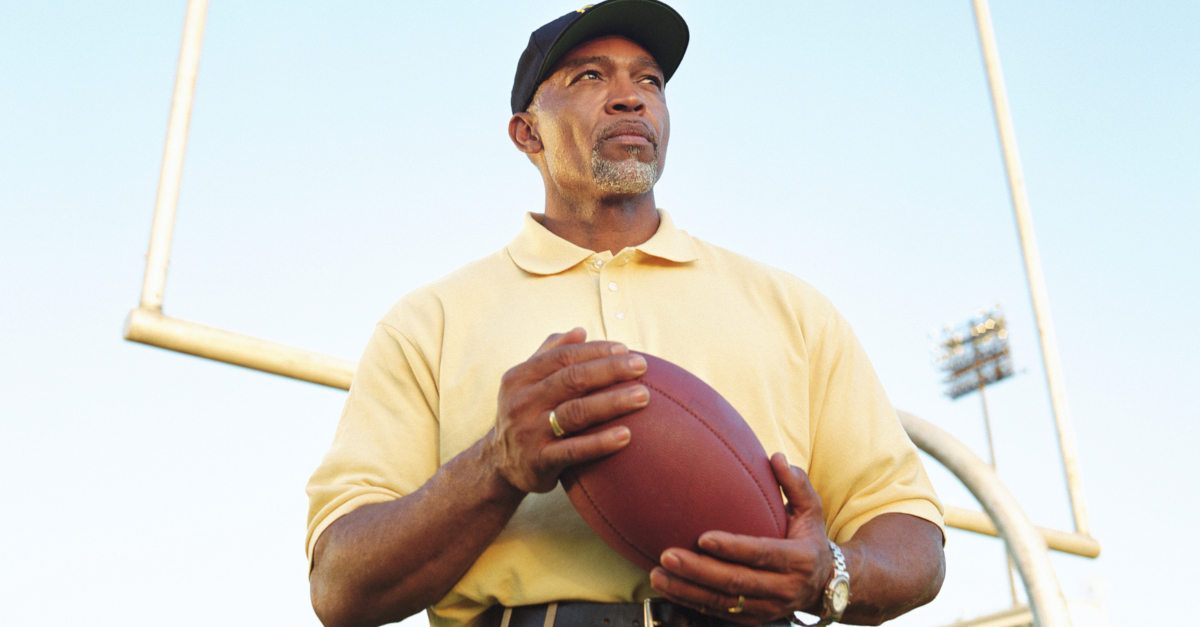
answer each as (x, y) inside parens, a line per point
(427, 384)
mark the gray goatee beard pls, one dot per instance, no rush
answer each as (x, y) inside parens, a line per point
(627, 176)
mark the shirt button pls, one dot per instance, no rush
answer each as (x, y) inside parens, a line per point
(612, 287)
(598, 263)
(620, 316)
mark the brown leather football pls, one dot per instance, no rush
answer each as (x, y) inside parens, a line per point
(692, 465)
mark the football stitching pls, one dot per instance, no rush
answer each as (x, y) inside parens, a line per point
(732, 450)
(583, 487)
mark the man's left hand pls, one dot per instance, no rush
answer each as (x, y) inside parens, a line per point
(774, 576)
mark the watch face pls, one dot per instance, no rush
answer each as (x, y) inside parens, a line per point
(840, 596)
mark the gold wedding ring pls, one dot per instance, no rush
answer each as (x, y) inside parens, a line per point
(737, 609)
(558, 431)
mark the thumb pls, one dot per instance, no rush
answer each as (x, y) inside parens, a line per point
(801, 497)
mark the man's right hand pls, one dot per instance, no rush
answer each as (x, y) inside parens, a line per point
(574, 379)
(385, 561)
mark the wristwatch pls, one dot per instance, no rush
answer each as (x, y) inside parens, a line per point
(837, 592)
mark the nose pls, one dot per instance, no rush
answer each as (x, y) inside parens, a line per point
(625, 98)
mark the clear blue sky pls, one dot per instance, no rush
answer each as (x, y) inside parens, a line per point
(345, 153)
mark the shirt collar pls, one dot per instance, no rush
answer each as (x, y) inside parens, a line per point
(538, 251)
(669, 242)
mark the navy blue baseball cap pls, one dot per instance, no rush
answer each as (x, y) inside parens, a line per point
(653, 25)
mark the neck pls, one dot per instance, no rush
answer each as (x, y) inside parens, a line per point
(611, 224)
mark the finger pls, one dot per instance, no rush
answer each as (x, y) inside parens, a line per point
(681, 591)
(798, 490)
(565, 452)
(563, 353)
(762, 554)
(579, 378)
(727, 578)
(574, 336)
(579, 414)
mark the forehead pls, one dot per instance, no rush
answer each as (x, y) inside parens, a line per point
(614, 48)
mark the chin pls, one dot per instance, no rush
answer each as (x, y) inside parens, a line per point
(629, 176)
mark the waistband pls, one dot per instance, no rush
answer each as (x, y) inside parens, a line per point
(651, 613)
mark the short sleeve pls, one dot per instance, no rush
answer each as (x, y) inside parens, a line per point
(386, 444)
(863, 464)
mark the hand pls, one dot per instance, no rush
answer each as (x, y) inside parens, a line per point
(776, 577)
(577, 381)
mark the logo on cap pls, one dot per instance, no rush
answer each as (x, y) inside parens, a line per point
(584, 8)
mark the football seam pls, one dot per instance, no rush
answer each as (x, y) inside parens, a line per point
(583, 487)
(731, 449)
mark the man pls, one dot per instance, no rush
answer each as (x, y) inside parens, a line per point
(441, 488)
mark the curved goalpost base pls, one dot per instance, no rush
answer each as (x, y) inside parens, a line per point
(1026, 546)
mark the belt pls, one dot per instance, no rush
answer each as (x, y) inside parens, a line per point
(651, 613)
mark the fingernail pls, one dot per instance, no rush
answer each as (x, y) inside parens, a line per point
(618, 349)
(623, 435)
(640, 396)
(670, 560)
(658, 577)
(637, 363)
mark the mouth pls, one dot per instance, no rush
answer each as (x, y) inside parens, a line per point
(630, 133)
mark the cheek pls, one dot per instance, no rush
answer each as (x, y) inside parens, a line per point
(664, 124)
(665, 141)
(563, 144)
(565, 157)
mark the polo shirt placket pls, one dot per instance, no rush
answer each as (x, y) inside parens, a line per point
(616, 303)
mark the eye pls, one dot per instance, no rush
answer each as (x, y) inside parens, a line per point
(653, 80)
(587, 75)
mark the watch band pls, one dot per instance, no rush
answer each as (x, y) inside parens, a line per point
(836, 596)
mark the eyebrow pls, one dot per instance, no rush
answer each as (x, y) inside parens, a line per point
(641, 62)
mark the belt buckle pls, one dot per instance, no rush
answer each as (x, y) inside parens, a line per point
(647, 615)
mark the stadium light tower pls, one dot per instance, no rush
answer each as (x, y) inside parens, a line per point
(973, 355)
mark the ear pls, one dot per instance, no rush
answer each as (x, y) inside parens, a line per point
(523, 134)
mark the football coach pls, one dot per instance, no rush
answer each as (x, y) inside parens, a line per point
(441, 489)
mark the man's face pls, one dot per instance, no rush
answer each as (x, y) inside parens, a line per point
(602, 119)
